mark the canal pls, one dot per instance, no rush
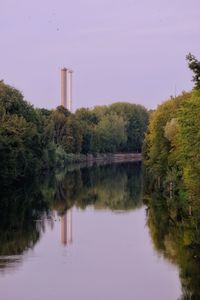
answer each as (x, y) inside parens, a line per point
(83, 234)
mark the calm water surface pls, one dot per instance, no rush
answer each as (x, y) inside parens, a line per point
(90, 240)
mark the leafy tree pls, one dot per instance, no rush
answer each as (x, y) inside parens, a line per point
(135, 119)
(109, 134)
(13, 102)
(158, 142)
(24, 143)
(194, 66)
(189, 143)
(172, 147)
(87, 120)
(66, 130)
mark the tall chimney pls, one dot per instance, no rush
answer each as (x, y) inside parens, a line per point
(66, 88)
(66, 228)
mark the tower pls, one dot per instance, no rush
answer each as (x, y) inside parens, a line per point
(66, 88)
(66, 228)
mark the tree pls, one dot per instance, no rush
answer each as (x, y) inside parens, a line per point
(13, 102)
(189, 143)
(87, 120)
(160, 139)
(136, 120)
(24, 143)
(109, 134)
(67, 132)
(194, 66)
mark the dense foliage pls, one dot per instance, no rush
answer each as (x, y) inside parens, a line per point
(172, 142)
(194, 65)
(23, 140)
(119, 127)
(32, 140)
(172, 159)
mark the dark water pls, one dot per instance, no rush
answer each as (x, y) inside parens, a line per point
(86, 235)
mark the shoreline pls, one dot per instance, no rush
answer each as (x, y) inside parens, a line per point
(113, 157)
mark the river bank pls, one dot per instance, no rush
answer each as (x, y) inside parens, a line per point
(103, 158)
(114, 157)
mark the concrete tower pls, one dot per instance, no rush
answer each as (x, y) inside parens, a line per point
(66, 228)
(66, 88)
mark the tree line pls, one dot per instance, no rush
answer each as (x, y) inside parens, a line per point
(172, 161)
(172, 144)
(34, 139)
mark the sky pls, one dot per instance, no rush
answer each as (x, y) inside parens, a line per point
(120, 50)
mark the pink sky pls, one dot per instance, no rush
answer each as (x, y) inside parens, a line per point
(120, 50)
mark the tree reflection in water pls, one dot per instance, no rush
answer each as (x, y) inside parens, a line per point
(176, 234)
(20, 208)
(25, 211)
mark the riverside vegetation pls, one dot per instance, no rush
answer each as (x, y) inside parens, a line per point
(36, 140)
(172, 160)
(33, 140)
(172, 146)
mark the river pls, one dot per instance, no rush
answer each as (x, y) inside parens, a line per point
(84, 234)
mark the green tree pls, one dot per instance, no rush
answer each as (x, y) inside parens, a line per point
(158, 142)
(194, 66)
(189, 143)
(24, 142)
(87, 120)
(67, 132)
(109, 134)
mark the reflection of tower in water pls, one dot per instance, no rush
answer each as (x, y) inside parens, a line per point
(66, 228)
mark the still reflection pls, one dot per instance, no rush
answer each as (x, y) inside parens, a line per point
(26, 211)
(176, 234)
(66, 228)
(19, 231)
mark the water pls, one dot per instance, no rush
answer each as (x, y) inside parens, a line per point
(93, 243)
